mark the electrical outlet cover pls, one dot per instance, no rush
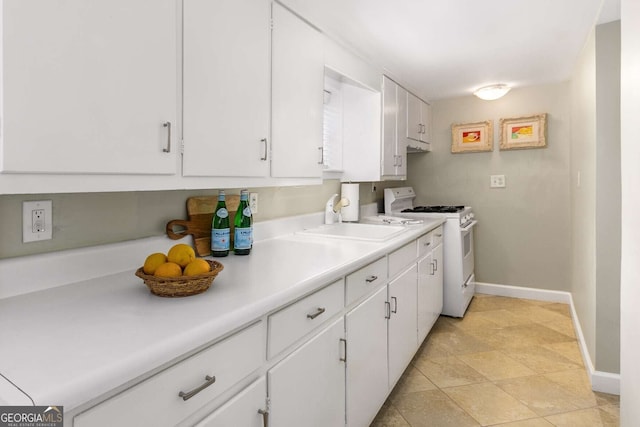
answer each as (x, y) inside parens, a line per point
(37, 220)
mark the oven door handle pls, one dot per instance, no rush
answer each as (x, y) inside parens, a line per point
(469, 226)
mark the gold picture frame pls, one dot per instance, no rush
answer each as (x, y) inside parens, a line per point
(523, 132)
(472, 137)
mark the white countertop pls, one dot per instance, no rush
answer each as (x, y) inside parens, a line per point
(73, 343)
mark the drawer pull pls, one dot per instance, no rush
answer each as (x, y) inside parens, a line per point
(395, 305)
(370, 279)
(387, 306)
(188, 395)
(427, 244)
(438, 235)
(265, 417)
(316, 314)
(345, 350)
(435, 262)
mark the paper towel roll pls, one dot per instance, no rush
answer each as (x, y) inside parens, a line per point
(351, 192)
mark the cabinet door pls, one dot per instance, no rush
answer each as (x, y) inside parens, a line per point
(307, 387)
(242, 409)
(426, 121)
(88, 86)
(403, 335)
(297, 97)
(401, 132)
(438, 281)
(367, 377)
(414, 117)
(426, 303)
(389, 126)
(227, 81)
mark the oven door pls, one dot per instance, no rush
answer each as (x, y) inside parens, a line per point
(466, 235)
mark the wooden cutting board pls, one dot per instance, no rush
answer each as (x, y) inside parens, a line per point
(200, 212)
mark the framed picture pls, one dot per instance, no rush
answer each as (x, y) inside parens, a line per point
(523, 132)
(472, 137)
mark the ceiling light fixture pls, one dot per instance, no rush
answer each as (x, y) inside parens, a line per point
(489, 93)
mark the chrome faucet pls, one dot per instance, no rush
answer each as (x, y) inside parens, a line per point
(332, 209)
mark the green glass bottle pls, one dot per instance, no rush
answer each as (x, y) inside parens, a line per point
(243, 234)
(220, 231)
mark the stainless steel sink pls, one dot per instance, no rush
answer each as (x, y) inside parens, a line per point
(356, 231)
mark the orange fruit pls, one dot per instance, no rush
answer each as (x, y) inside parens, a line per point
(153, 261)
(181, 254)
(197, 266)
(168, 269)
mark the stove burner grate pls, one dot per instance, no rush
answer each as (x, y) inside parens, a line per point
(436, 209)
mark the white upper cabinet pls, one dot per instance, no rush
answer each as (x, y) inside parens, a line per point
(297, 97)
(89, 87)
(418, 123)
(226, 87)
(394, 143)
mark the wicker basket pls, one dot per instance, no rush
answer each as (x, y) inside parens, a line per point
(180, 286)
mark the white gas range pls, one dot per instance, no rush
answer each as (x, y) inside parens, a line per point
(459, 280)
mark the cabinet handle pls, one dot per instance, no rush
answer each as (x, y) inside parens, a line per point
(427, 244)
(316, 314)
(265, 417)
(345, 350)
(168, 126)
(395, 305)
(387, 307)
(399, 160)
(439, 235)
(419, 127)
(188, 395)
(321, 162)
(435, 262)
(264, 156)
(371, 278)
(433, 269)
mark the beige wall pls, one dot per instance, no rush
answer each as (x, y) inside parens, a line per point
(89, 219)
(608, 201)
(524, 235)
(583, 194)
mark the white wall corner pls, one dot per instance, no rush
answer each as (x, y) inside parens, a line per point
(604, 382)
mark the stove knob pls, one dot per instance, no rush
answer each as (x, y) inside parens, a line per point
(472, 215)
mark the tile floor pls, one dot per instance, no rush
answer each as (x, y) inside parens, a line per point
(509, 362)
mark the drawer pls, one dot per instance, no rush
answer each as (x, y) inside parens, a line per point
(366, 279)
(295, 321)
(438, 234)
(425, 244)
(402, 257)
(156, 401)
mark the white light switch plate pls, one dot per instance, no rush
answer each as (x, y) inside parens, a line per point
(498, 181)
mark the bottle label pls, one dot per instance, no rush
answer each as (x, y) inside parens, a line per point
(246, 211)
(242, 238)
(220, 239)
(222, 213)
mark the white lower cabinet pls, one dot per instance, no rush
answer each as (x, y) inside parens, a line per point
(430, 282)
(176, 393)
(307, 388)
(403, 337)
(367, 378)
(247, 409)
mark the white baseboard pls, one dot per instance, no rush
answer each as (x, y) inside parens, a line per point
(604, 382)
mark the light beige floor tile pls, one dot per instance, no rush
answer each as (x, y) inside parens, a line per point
(473, 320)
(443, 324)
(526, 335)
(495, 365)
(593, 417)
(448, 371)
(459, 343)
(538, 314)
(489, 404)
(431, 349)
(533, 422)
(577, 382)
(490, 302)
(433, 408)
(503, 317)
(541, 359)
(563, 309)
(562, 325)
(612, 409)
(411, 381)
(607, 399)
(389, 417)
(541, 395)
(568, 349)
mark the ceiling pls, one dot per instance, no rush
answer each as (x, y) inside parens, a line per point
(448, 48)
